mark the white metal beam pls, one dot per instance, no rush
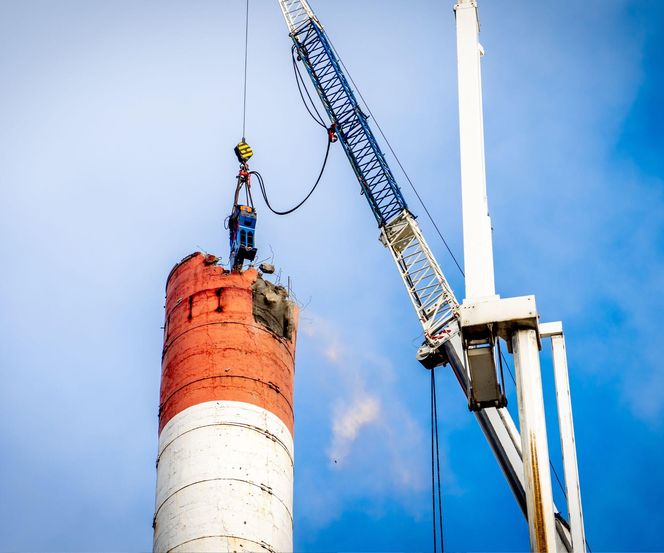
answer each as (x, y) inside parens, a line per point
(534, 446)
(477, 240)
(566, 428)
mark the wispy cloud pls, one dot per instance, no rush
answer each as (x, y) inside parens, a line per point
(367, 420)
(348, 419)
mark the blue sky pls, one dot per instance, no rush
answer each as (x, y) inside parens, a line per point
(117, 123)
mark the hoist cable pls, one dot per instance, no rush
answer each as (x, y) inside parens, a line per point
(433, 472)
(434, 433)
(261, 183)
(246, 52)
(299, 80)
(410, 182)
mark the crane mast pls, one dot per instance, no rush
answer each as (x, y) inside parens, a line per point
(461, 335)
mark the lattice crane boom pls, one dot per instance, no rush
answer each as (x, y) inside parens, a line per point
(425, 282)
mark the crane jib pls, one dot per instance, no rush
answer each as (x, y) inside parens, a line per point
(373, 173)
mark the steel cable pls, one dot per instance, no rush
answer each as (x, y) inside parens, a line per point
(433, 472)
(299, 80)
(435, 467)
(246, 52)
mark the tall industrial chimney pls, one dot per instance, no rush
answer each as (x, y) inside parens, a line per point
(225, 461)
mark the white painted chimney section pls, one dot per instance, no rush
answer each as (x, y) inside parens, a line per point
(224, 481)
(477, 239)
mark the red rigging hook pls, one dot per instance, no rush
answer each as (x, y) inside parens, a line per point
(332, 133)
(244, 175)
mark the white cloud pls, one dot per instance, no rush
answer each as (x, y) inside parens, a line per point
(348, 419)
(373, 445)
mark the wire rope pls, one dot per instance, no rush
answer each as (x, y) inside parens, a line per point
(435, 466)
(246, 56)
(319, 120)
(299, 80)
(433, 472)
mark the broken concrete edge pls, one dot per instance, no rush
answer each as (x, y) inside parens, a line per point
(272, 306)
(187, 258)
(266, 268)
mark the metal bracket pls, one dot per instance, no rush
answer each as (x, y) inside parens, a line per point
(482, 324)
(504, 315)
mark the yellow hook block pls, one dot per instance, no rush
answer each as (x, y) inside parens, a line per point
(243, 152)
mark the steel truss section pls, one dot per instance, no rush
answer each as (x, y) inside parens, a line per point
(427, 287)
(350, 124)
(297, 13)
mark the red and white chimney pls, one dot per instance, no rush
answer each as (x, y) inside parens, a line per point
(225, 460)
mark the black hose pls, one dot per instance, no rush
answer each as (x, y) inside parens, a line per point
(287, 212)
(300, 85)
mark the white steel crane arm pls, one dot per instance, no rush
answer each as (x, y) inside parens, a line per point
(427, 287)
